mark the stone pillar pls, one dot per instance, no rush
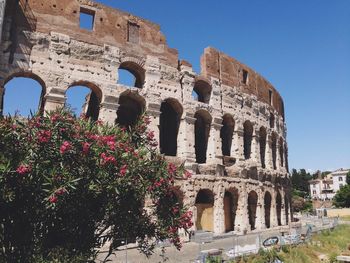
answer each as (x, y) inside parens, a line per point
(242, 218)
(219, 217)
(260, 211)
(55, 99)
(2, 16)
(283, 210)
(278, 157)
(255, 149)
(186, 138)
(273, 211)
(153, 111)
(108, 112)
(237, 144)
(214, 142)
(152, 74)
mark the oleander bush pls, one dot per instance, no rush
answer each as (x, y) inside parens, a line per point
(69, 185)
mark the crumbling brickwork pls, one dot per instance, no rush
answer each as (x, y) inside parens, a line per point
(231, 135)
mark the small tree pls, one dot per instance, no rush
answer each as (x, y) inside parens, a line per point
(68, 186)
(342, 197)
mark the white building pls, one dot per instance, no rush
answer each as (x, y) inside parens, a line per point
(326, 188)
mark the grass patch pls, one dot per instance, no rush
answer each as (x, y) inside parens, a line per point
(328, 243)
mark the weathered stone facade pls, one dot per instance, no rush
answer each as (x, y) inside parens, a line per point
(232, 135)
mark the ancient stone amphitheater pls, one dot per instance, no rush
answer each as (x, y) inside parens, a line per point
(225, 124)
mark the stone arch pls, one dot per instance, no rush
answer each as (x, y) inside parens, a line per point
(136, 70)
(247, 139)
(202, 129)
(286, 208)
(274, 150)
(252, 206)
(267, 209)
(169, 122)
(230, 208)
(91, 107)
(26, 75)
(262, 145)
(279, 208)
(281, 152)
(203, 90)
(226, 133)
(205, 210)
(131, 106)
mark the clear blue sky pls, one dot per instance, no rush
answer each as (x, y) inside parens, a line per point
(302, 47)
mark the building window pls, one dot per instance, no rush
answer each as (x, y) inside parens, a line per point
(340, 178)
(133, 33)
(87, 18)
(270, 97)
(340, 185)
(314, 192)
(245, 77)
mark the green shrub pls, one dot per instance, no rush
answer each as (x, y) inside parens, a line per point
(68, 186)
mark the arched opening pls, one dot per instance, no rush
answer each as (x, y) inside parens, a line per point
(230, 209)
(281, 152)
(272, 120)
(84, 98)
(286, 208)
(202, 129)
(278, 208)
(22, 95)
(201, 91)
(131, 106)
(131, 74)
(274, 150)
(247, 139)
(169, 122)
(205, 206)
(252, 205)
(262, 144)
(226, 133)
(267, 209)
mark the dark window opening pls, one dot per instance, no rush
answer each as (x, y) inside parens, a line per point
(87, 19)
(274, 150)
(247, 139)
(262, 144)
(230, 209)
(272, 120)
(204, 207)
(202, 129)
(267, 208)
(201, 91)
(279, 208)
(281, 152)
(131, 74)
(129, 111)
(245, 76)
(252, 205)
(169, 126)
(133, 33)
(226, 134)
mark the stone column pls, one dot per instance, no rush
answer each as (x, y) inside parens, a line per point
(237, 144)
(283, 210)
(152, 74)
(242, 218)
(255, 149)
(153, 111)
(278, 157)
(2, 15)
(268, 153)
(273, 211)
(55, 99)
(260, 212)
(108, 109)
(186, 138)
(214, 142)
(219, 217)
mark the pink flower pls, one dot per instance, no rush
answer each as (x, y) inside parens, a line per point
(123, 170)
(171, 168)
(60, 191)
(86, 148)
(150, 135)
(55, 117)
(187, 174)
(44, 136)
(107, 159)
(111, 145)
(23, 169)
(66, 146)
(53, 199)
